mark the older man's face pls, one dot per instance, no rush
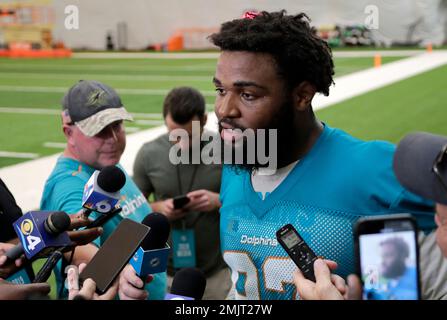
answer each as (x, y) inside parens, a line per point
(441, 232)
(101, 150)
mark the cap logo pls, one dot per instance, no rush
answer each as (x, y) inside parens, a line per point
(97, 98)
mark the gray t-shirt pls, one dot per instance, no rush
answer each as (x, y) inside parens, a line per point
(154, 173)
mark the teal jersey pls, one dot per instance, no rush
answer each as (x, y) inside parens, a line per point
(63, 192)
(340, 180)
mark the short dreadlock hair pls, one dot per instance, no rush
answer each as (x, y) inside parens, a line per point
(299, 53)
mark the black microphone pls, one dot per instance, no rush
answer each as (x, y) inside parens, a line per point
(45, 272)
(159, 232)
(187, 283)
(101, 192)
(56, 223)
(152, 256)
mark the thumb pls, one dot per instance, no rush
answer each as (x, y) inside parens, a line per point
(322, 272)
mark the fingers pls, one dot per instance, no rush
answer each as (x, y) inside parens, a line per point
(339, 283)
(354, 291)
(322, 272)
(82, 267)
(19, 262)
(331, 264)
(304, 286)
(196, 193)
(3, 260)
(131, 287)
(83, 237)
(111, 292)
(79, 220)
(169, 204)
(88, 289)
(73, 283)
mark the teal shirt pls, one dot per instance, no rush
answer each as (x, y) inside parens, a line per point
(340, 180)
(63, 192)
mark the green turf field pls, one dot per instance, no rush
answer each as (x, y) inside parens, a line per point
(414, 104)
(31, 91)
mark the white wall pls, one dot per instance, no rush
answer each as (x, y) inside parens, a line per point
(151, 21)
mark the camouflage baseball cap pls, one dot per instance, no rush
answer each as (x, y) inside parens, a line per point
(93, 105)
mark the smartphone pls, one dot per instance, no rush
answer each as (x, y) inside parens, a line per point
(114, 254)
(388, 257)
(298, 250)
(181, 201)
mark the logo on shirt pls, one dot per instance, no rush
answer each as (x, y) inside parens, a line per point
(255, 241)
(132, 204)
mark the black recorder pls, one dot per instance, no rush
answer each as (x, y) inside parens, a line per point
(298, 250)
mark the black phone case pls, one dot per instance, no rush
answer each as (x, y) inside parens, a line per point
(180, 202)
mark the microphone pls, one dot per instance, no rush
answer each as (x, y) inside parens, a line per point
(101, 192)
(152, 255)
(38, 231)
(188, 284)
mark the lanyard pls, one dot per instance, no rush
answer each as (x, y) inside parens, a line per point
(179, 180)
(180, 189)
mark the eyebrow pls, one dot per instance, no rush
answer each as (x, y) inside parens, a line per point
(241, 83)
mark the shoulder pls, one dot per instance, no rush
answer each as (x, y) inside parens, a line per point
(375, 154)
(158, 143)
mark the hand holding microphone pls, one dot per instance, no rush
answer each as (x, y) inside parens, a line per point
(39, 231)
(150, 258)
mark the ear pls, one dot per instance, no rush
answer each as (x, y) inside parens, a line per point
(68, 132)
(303, 95)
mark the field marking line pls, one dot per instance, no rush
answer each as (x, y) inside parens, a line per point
(20, 155)
(110, 77)
(358, 83)
(155, 92)
(43, 111)
(55, 145)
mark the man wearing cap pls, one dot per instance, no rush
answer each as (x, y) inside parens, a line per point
(92, 122)
(420, 165)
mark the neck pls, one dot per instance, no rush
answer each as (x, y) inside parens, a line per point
(307, 134)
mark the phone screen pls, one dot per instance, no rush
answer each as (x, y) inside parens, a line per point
(114, 254)
(389, 260)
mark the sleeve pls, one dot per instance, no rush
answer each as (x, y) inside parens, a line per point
(66, 196)
(422, 209)
(9, 212)
(140, 172)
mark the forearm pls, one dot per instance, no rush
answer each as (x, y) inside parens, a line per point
(83, 254)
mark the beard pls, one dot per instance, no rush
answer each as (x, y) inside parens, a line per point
(284, 124)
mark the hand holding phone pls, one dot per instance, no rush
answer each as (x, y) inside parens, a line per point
(181, 201)
(113, 255)
(388, 257)
(298, 250)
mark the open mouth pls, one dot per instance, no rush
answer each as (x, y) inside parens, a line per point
(231, 135)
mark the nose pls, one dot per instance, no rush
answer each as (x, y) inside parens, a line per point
(226, 106)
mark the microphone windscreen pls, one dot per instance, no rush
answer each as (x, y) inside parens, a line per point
(159, 232)
(189, 282)
(111, 179)
(57, 222)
